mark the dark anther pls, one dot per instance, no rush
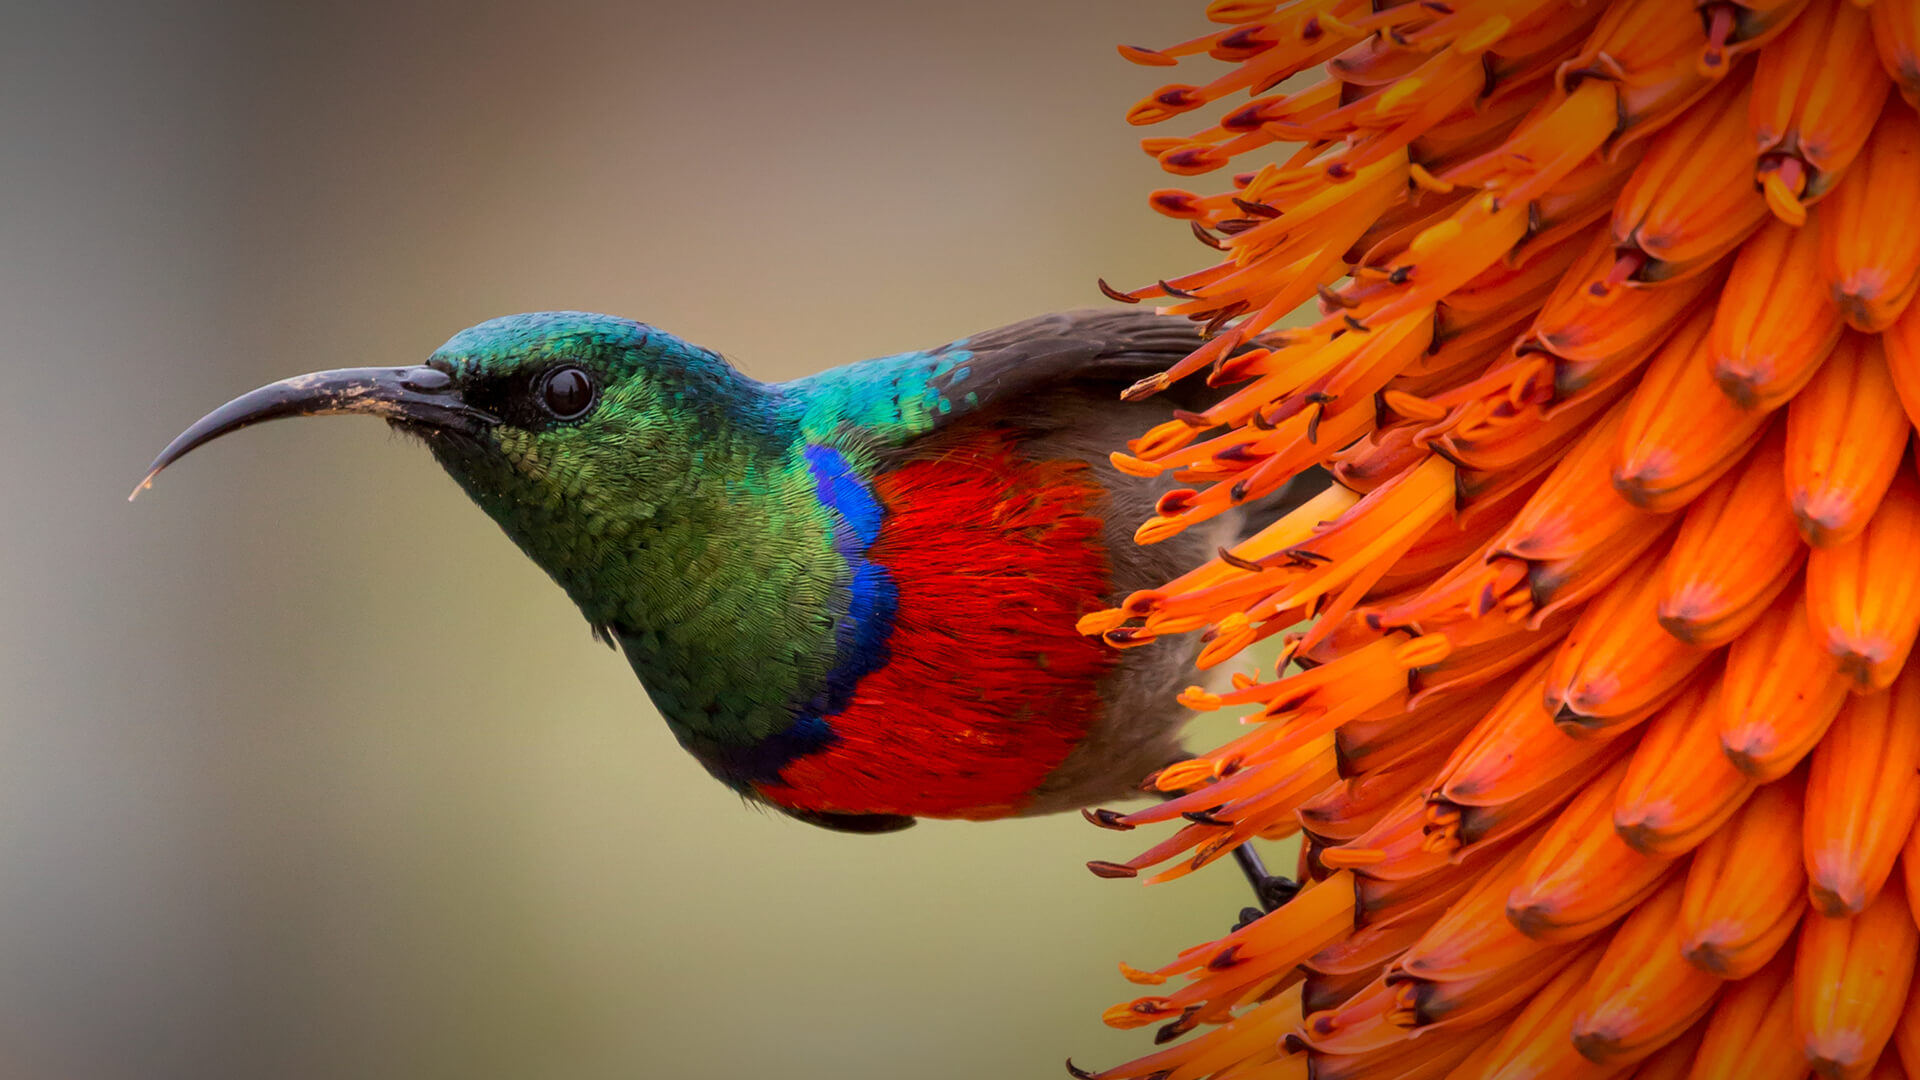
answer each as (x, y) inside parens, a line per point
(1201, 234)
(1261, 421)
(1225, 958)
(1115, 294)
(1177, 293)
(1339, 170)
(1236, 226)
(1256, 209)
(1247, 118)
(1308, 556)
(1534, 222)
(1321, 397)
(1171, 1031)
(1079, 1073)
(1192, 419)
(1205, 817)
(1221, 319)
(1105, 869)
(1313, 423)
(1332, 299)
(1242, 39)
(1489, 75)
(1233, 560)
(1238, 493)
(1401, 275)
(1107, 819)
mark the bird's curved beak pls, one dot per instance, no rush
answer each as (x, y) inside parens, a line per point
(422, 398)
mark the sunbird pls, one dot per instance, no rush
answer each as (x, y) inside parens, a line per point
(853, 595)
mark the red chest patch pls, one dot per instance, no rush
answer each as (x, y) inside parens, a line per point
(987, 686)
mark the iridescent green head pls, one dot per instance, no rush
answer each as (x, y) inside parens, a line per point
(570, 429)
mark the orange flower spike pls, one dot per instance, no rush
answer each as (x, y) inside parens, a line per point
(1537, 1044)
(1680, 433)
(1813, 104)
(1869, 239)
(1643, 994)
(1581, 876)
(1896, 33)
(1689, 202)
(1679, 786)
(1738, 547)
(1846, 435)
(1847, 982)
(1863, 796)
(1864, 595)
(1746, 888)
(1780, 692)
(1774, 323)
(1901, 345)
(1750, 1034)
(1616, 664)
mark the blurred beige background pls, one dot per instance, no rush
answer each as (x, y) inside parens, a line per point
(304, 771)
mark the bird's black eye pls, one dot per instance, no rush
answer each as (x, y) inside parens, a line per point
(566, 392)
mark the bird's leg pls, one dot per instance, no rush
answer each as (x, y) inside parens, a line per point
(1269, 890)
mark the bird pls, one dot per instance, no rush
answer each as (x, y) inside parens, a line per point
(851, 596)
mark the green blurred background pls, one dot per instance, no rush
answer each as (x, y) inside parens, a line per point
(304, 770)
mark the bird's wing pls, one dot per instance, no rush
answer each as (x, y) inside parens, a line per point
(897, 399)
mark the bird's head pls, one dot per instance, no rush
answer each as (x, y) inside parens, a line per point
(570, 429)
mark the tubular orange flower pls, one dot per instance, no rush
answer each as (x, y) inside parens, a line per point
(1734, 553)
(1750, 1034)
(1813, 104)
(1846, 981)
(1871, 260)
(1780, 692)
(1555, 710)
(1775, 323)
(1896, 33)
(1581, 876)
(1746, 888)
(1863, 596)
(1863, 795)
(1538, 1043)
(1902, 346)
(1845, 437)
(1642, 994)
(1668, 456)
(1679, 786)
(1681, 211)
(1616, 665)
